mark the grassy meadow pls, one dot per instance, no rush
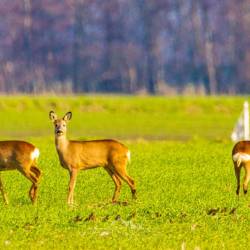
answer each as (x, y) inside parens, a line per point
(180, 160)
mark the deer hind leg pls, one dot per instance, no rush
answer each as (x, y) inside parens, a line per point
(33, 192)
(36, 171)
(72, 183)
(3, 192)
(33, 174)
(117, 182)
(247, 177)
(120, 170)
(237, 175)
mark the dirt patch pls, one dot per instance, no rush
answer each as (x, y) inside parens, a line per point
(222, 211)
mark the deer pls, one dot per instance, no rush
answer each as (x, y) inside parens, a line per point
(74, 156)
(241, 158)
(21, 156)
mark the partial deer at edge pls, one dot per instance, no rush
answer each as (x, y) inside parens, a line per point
(80, 155)
(241, 158)
(22, 156)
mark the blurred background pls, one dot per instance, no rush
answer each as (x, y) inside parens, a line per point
(125, 46)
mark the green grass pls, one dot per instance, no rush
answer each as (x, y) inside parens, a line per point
(181, 161)
(175, 118)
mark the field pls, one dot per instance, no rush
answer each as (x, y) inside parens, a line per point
(181, 161)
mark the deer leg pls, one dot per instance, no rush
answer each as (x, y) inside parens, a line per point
(33, 176)
(247, 177)
(120, 170)
(117, 182)
(3, 193)
(33, 192)
(34, 187)
(237, 174)
(36, 171)
(72, 183)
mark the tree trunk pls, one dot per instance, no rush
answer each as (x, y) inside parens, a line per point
(209, 52)
(78, 35)
(211, 67)
(148, 40)
(27, 24)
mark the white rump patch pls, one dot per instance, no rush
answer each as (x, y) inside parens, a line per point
(129, 156)
(35, 154)
(241, 157)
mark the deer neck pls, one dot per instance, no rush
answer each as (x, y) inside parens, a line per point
(61, 143)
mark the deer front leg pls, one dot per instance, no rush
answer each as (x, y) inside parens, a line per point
(72, 183)
(3, 193)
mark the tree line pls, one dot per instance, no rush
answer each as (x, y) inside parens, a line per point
(124, 46)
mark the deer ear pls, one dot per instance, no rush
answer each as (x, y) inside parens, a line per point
(68, 116)
(52, 115)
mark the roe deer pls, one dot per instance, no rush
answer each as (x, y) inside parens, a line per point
(80, 155)
(241, 158)
(22, 156)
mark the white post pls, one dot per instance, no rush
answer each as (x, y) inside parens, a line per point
(246, 121)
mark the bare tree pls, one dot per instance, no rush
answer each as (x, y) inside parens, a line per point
(205, 7)
(77, 44)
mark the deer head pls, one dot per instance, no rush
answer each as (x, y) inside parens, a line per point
(60, 124)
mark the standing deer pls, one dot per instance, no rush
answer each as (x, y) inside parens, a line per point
(241, 158)
(22, 156)
(80, 155)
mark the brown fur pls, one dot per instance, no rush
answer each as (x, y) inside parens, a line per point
(17, 155)
(242, 147)
(81, 155)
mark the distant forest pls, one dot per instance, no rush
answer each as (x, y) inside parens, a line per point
(125, 46)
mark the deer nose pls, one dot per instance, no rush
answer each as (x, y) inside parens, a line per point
(59, 131)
